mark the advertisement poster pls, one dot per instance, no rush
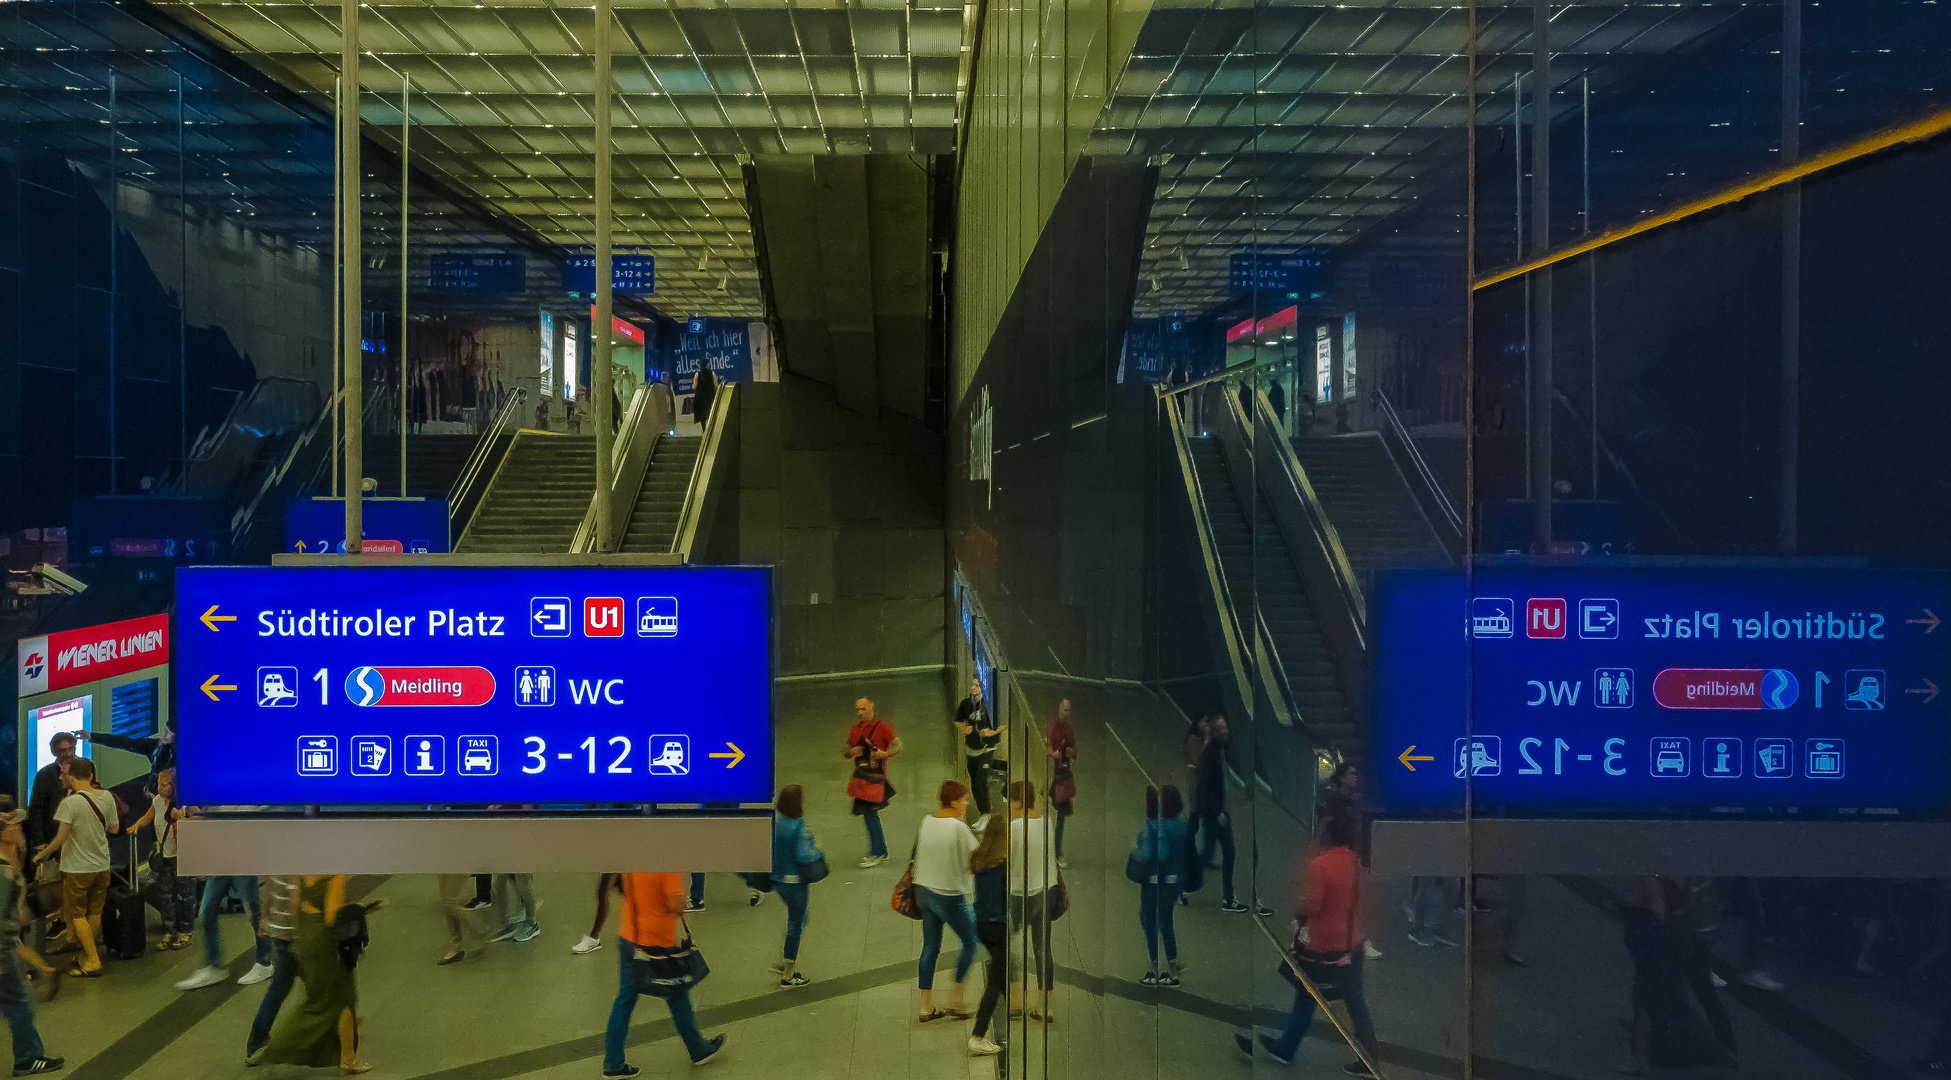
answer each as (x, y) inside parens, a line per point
(74, 714)
(548, 354)
(1348, 357)
(569, 360)
(1324, 364)
(723, 345)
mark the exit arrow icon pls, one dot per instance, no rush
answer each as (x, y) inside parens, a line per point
(736, 754)
(1410, 755)
(1929, 690)
(1928, 622)
(211, 618)
(211, 686)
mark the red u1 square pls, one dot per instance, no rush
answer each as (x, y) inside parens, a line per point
(1544, 617)
(603, 616)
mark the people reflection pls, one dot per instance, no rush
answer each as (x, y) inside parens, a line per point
(1326, 949)
(980, 738)
(1030, 874)
(992, 927)
(1670, 931)
(1209, 815)
(1062, 742)
(1158, 861)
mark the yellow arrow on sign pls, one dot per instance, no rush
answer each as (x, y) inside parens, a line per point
(211, 686)
(1410, 755)
(211, 618)
(736, 755)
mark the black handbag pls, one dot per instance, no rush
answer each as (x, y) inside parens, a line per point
(1139, 871)
(812, 873)
(666, 973)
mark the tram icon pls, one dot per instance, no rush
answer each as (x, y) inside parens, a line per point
(656, 616)
(1492, 617)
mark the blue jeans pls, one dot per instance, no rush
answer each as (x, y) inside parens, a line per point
(697, 890)
(1155, 904)
(284, 969)
(1349, 992)
(794, 896)
(614, 1036)
(876, 839)
(1220, 833)
(18, 1008)
(215, 889)
(938, 909)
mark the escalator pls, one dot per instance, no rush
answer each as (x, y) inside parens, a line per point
(1370, 503)
(660, 499)
(537, 498)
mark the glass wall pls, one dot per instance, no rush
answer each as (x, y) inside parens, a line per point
(1603, 327)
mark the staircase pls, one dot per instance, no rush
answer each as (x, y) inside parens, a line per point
(1369, 503)
(538, 497)
(653, 521)
(1257, 566)
(432, 463)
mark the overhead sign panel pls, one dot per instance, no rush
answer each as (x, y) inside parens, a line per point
(635, 275)
(429, 685)
(1652, 691)
(478, 272)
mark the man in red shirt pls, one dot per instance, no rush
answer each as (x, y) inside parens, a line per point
(1331, 953)
(869, 744)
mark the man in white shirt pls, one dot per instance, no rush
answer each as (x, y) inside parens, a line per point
(86, 818)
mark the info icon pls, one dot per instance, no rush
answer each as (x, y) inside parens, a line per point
(1720, 758)
(425, 755)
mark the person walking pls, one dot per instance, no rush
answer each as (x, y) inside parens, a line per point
(278, 899)
(1330, 954)
(457, 909)
(980, 738)
(215, 891)
(175, 896)
(515, 900)
(30, 1056)
(870, 742)
(1161, 849)
(988, 865)
(84, 821)
(652, 906)
(1209, 814)
(1031, 873)
(795, 857)
(704, 387)
(592, 941)
(945, 885)
(1062, 741)
(324, 1031)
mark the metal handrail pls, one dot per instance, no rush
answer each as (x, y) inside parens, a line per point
(701, 469)
(483, 446)
(628, 431)
(1416, 459)
(242, 518)
(1208, 547)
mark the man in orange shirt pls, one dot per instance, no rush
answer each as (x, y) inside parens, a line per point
(652, 906)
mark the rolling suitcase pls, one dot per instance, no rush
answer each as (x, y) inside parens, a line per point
(125, 918)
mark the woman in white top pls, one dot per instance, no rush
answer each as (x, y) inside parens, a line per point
(945, 887)
(1031, 871)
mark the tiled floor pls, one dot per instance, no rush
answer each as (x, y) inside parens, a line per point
(534, 1010)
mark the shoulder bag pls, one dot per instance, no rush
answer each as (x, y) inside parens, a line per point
(1140, 865)
(905, 900)
(666, 972)
(812, 871)
(1057, 898)
(870, 783)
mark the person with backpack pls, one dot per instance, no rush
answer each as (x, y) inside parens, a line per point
(1327, 949)
(870, 742)
(86, 819)
(648, 944)
(324, 1031)
(1157, 864)
(797, 862)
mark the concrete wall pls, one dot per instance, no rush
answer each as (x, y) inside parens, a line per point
(849, 509)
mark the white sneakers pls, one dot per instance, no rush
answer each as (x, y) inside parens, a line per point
(586, 945)
(980, 1046)
(202, 977)
(872, 861)
(257, 974)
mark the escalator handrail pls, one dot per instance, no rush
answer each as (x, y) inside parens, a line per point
(477, 458)
(703, 471)
(1416, 459)
(1208, 546)
(634, 426)
(1325, 533)
(241, 521)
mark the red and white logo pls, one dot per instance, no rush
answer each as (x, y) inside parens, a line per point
(1544, 617)
(603, 616)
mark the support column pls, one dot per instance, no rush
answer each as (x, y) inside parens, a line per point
(1786, 530)
(1541, 314)
(351, 263)
(406, 130)
(599, 330)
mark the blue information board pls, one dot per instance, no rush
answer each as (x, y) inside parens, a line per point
(632, 274)
(1295, 275)
(422, 685)
(478, 272)
(395, 526)
(1645, 691)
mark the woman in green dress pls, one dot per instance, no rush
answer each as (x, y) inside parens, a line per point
(324, 1031)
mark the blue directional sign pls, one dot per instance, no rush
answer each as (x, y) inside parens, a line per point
(429, 685)
(1662, 690)
(478, 272)
(635, 275)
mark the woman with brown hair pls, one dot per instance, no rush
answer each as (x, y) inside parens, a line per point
(796, 864)
(992, 926)
(944, 886)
